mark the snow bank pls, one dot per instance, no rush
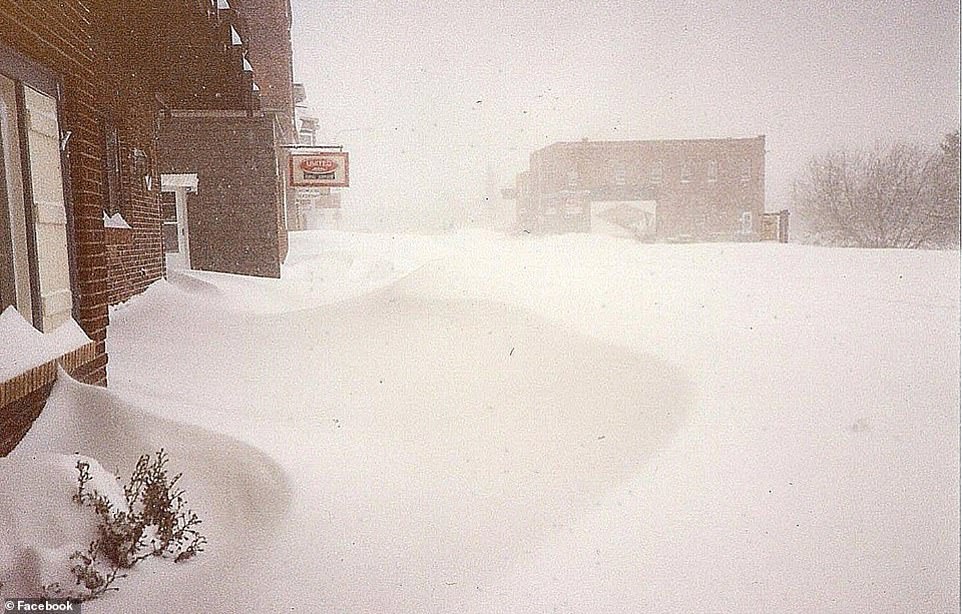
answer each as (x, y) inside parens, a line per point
(24, 347)
(240, 494)
(40, 527)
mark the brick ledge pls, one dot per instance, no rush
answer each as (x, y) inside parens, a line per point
(37, 377)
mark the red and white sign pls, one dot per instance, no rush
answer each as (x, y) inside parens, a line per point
(320, 170)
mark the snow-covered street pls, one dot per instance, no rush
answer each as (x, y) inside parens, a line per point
(480, 423)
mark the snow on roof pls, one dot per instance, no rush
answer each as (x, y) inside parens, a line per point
(24, 347)
(169, 181)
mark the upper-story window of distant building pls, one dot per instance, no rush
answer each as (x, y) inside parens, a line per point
(746, 171)
(712, 174)
(572, 178)
(656, 173)
(687, 172)
(619, 172)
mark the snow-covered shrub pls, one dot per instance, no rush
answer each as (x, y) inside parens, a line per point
(152, 520)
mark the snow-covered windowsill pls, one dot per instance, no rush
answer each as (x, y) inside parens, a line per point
(29, 358)
(117, 230)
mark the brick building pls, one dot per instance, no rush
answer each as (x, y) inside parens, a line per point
(93, 96)
(146, 70)
(230, 139)
(707, 189)
(52, 247)
(267, 30)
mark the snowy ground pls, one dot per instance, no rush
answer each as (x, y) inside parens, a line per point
(478, 423)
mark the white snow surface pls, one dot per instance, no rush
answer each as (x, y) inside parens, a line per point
(115, 221)
(23, 347)
(481, 423)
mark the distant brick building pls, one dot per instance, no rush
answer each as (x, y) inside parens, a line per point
(708, 189)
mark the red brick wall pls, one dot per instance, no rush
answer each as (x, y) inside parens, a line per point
(266, 27)
(17, 417)
(137, 260)
(58, 36)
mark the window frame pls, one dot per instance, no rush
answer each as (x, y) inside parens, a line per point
(711, 175)
(25, 72)
(656, 173)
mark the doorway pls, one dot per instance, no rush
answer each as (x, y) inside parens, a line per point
(174, 189)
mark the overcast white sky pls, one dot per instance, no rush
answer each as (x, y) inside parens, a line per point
(426, 95)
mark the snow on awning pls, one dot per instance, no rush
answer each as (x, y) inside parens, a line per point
(169, 182)
(223, 4)
(247, 66)
(235, 38)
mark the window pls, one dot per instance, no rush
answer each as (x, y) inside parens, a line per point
(111, 185)
(572, 179)
(618, 172)
(746, 171)
(686, 171)
(14, 265)
(656, 173)
(34, 261)
(712, 175)
(746, 223)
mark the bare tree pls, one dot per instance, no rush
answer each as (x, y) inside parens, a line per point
(891, 197)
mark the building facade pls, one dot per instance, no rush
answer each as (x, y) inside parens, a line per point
(99, 101)
(705, 189)
(230, 135)
(266, 28)
(52, 245)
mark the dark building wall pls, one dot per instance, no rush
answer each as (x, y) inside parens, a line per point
(188, 63)
(266, 26)
(702, 187)
(233, 217)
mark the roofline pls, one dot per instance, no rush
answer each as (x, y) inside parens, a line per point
(760, 137)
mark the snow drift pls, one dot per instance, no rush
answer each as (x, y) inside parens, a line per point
(478, 423)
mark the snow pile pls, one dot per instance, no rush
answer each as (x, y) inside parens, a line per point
(306, 282)
(24, 347)
(239, 494)
(39, 525)
(115, 221)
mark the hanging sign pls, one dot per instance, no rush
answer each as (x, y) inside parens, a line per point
(320, 170)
